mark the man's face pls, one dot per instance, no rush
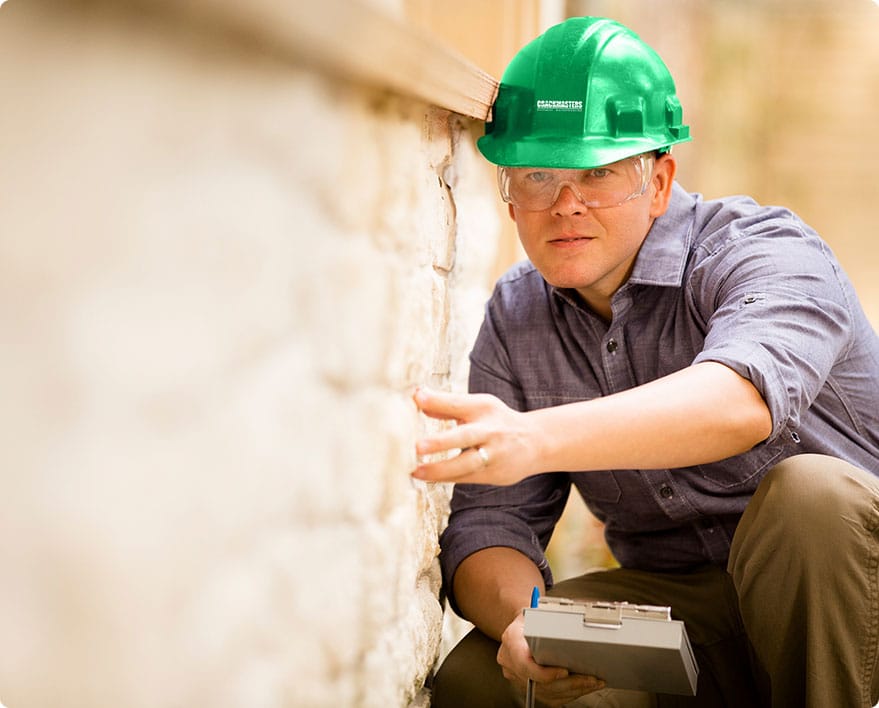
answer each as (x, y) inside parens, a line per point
(592, 250)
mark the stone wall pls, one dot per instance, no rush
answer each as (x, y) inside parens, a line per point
(222, 273)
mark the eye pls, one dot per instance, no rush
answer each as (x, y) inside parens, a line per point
(538, 177)
(599, 173)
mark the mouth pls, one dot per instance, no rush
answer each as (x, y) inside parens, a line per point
(563, 240)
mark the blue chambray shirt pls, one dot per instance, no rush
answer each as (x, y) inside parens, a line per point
(729, 281)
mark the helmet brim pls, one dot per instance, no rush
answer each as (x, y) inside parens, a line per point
(563, 153)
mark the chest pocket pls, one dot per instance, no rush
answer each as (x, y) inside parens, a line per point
(601, 487)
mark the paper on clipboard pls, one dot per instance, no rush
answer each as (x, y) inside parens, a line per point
(637, 647)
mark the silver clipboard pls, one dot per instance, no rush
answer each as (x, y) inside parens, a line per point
(638, 647)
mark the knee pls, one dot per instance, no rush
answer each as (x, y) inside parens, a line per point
(814, 497)
(816, 483)
(810, 516)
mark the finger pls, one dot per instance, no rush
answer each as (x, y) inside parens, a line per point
(460, 437)
(445, 406)
(567, 689)
(546, 675)
(467, 466)
(536, 672)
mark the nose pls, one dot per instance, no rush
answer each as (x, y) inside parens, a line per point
(568, 202)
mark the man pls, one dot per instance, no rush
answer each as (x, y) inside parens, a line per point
(701, 372)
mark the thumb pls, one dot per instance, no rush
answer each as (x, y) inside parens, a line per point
(547, 674)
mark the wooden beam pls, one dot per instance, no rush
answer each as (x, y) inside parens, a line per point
(362, 43)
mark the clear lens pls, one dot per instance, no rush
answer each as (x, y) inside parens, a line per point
(537, 188)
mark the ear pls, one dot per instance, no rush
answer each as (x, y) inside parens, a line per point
(512, 212)
(664, 170)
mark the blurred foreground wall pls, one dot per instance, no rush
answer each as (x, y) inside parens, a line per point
(223, 268)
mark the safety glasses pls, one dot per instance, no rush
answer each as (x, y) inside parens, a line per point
(538, 188)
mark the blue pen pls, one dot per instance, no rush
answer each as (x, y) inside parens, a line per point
(529, 686)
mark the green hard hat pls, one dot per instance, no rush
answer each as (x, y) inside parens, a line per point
(587, 92)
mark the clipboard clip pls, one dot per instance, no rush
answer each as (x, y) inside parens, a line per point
(605, 615)
(602, 615)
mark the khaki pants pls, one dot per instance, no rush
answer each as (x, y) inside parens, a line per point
(792, 622)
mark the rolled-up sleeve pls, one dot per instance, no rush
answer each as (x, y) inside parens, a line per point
(521, 516)
(779, 313)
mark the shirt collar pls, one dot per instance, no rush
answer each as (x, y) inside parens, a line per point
(663, 254)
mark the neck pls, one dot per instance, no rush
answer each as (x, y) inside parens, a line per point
(600, 305)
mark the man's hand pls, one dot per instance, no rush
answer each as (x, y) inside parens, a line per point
(497, 444)
(553, 685)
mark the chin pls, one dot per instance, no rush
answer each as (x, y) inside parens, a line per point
(566, 281)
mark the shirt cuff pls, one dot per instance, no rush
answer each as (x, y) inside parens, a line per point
(475, 530)
(757, 365)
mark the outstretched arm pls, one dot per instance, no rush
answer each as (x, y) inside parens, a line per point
(701, 414)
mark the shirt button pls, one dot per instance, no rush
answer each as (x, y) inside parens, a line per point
(666, 492)
(612, 345)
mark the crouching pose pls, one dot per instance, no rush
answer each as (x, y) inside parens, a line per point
(701, 372)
